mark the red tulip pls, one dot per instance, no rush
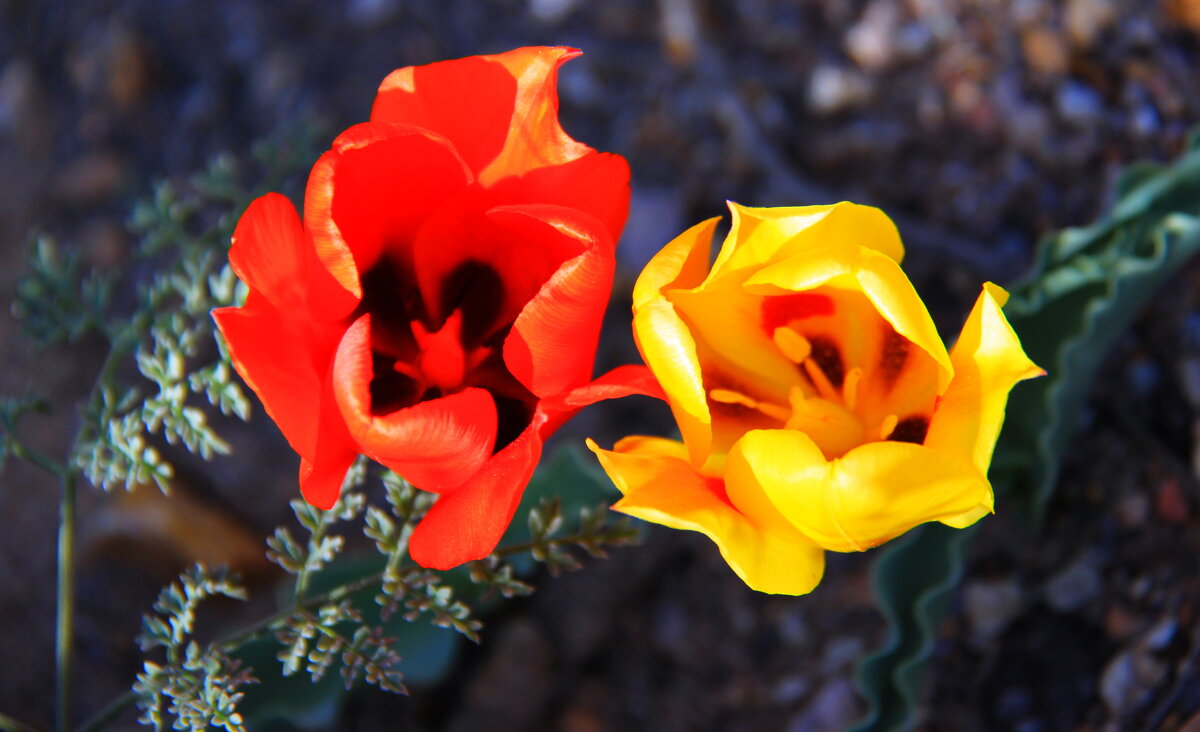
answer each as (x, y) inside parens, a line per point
(438, 307)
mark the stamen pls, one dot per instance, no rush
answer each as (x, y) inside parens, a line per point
(820, 380)
(408, 370)
(850, 388)
(889, 424)
(728, 396)
(791, 344)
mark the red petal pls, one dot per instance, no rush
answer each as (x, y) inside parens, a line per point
(373, 190)
(535, 137)
(552, 345)
(267, 252)
(467, 524)
(623, 381)
(522, 250)
(272, 255)
(596, 183)
(436, 444)
(277, 360)
(468, 101)
(321, 478)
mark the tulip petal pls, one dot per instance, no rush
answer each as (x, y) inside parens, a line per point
(680, 264)
(552, 344)
(467, 524)
(762, 236)
(361, 200)
(877, 276)
(267, 252)
(623, 381)
(535, 137)
(732, 346)
(272, 255)
(988, 362)
(436, 444)
(669, 350)
(469, 101)
(873, 493)
(661, 487)
(596, 183)
(276, 359)
(491, 263)
(322, 476)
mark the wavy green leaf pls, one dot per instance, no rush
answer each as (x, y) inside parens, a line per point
(1086, 286)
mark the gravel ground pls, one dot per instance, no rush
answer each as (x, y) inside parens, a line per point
(978, 125)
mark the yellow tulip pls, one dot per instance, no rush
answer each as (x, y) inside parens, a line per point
(819, 408)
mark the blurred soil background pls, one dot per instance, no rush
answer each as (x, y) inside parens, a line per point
(977, 124)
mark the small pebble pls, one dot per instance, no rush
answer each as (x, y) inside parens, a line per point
(871, 42)
(833, 709)
(1045, 51)
(1087, 19)
(1078, 104)
(1132, 510)
(1189, 371)
(1119, 623)
(17, 89)
(1162, 635)
(790, 689)
(1170, 503)
(551, 11)
(840, 653)
(832, 89)
(990, 607)
(89, 178)
(1128, 679)
(1078, 585)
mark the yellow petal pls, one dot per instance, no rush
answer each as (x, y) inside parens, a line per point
(668, 349)
(649, 446)
(872, 494)
(732, 345)
(877, 276)
(988, 362)
(963, 520)
(681, 263)
(763, 235)
(665, 490)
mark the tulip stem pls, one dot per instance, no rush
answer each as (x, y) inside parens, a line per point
(64, 637)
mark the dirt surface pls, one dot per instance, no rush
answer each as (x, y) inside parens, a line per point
(977, 124)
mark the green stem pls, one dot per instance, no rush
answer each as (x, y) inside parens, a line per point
(8, 724)
(261, 627)
(20, 450)
(64, 638)
(302, 577)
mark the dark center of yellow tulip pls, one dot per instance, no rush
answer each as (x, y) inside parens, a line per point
(857, 380)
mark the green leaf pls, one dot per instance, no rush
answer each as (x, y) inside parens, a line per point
(1086, 286)
(913, 581)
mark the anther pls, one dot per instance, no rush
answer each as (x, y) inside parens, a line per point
(792, 345)
(888, 426)
(728, 396)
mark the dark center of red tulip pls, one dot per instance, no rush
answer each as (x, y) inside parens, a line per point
(418, 356)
